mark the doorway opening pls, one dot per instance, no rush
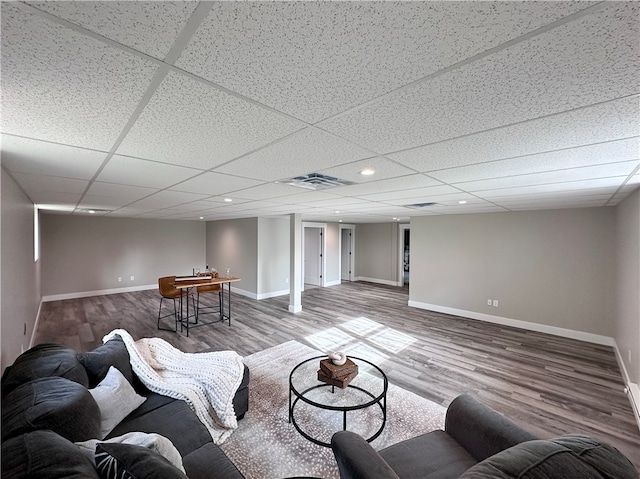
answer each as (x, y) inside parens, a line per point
(404, 255)
(313, 257)
(347, 255)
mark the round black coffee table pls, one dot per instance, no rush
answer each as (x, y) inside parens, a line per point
(367, 389)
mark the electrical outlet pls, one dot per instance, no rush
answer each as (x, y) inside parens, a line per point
(495, 303)
(119, 279)
(488, 302)
(132, 277)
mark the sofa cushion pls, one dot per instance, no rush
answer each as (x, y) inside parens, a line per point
(128, 461)
(432, 455)
(171, 418)
(569, 457)
(112, 353)
(41, 361)
(44, 455)
(116, 399)
(209, 462)
(55, 403)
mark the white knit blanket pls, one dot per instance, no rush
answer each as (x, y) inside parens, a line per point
(206, 381)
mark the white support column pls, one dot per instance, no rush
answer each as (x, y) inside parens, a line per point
(295, 262)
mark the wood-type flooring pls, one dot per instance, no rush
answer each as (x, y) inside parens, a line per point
(547, 384)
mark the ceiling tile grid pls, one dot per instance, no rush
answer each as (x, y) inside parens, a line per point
(61, 86)
(504, 106)
(149, 27)
(190, 123)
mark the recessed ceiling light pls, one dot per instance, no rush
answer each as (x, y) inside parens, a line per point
(202, 217)
(93, 212)
(340, 221)
(462, 202)
(367, 172)
(228, 200)
(336, 211)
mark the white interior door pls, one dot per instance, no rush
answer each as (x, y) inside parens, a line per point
(313, 256)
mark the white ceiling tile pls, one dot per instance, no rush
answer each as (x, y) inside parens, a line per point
(599, 123)
(554, 187)
(610, 152)
(33, 183)
(413, 193)
(46, 199)
(383, 168)
(305, 197)
(149, 27)
(32, 156)
(315, 59)
(190, 123)
(393, 184)
(124, 192)
(215, 184)
(558, 205)
(167, 199)
(304, 152)
(137, 172)
(559, 176)
(547, 74)
(267, 191)
(59, 85)
(97, 202)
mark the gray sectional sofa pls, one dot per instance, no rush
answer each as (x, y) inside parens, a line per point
(480, 443)
(47, 407)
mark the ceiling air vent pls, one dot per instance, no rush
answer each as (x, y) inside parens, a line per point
(316, 181)
(423, 205)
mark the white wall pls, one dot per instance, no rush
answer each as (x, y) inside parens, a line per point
(552, 268)
(20, 273)
(273, 257)
(627, 298)
(85, 254)
(377, 253)
(234, 244)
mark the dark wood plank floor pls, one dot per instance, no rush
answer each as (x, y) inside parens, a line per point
(547, 384)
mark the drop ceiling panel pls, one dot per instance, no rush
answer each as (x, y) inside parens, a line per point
(59, 85)
(428, 192)
(167, 199)
(530, 79)
(384, 169)
(125, 192)
(34, 183)
(215, 184)
(304, 152)
(190, 123)
(137, 172)
(32, 156)
(596, 124)
(97, 202)
(588, 155)
(342, 54)
(393, 184)
(267, 191)
(149, 27)
(48, 199)
(555, 187)
(620, 169)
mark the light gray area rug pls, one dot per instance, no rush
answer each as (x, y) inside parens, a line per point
(265, 445)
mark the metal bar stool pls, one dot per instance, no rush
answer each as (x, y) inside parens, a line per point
(209, 288)
(168, 290)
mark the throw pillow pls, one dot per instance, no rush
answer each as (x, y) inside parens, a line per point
(152, 441)
(116, 399)
(127, 461)
(112, 353)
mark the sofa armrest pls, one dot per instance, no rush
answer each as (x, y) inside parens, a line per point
(482, 431)
(357, 459)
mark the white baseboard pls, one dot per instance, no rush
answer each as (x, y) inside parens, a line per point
(272, 294)
(333, 283)
(102, 292)
(377, 280)
(516, 323)
(35, 325)
(633, 390)
(295, 308)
